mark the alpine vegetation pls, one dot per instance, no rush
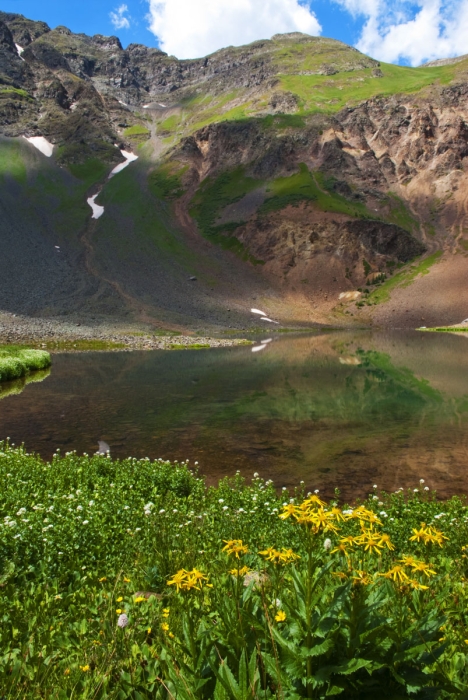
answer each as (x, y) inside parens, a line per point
(159, 587)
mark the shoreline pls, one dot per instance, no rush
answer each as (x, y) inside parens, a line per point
(103, 335)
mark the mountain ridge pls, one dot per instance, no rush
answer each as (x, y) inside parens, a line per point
(292, 171)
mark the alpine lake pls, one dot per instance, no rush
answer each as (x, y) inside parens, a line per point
(335, 410)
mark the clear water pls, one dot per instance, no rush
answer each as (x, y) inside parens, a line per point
(344, 410)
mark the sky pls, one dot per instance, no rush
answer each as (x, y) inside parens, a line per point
(407, 32)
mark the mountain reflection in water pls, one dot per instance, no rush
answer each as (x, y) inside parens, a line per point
(342, 410)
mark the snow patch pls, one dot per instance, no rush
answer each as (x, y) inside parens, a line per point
(97, 209)
(20, 51)
(264, 318)
(41, 144)
(129, 158)
(257, 348)
(268, 340)
(123, 103)
(257, 311)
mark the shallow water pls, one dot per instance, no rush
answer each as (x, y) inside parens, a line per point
(342, 410)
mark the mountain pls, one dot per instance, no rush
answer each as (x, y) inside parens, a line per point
(294, 175)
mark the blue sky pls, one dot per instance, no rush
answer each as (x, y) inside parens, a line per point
(396, 31)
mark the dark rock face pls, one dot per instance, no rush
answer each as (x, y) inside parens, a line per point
(386, 239)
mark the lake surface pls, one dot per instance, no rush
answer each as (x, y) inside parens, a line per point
(346, 409)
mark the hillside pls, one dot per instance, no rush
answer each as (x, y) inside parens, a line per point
(278, 175)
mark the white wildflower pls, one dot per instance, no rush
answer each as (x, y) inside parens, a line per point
(327, 544)
(122, 621)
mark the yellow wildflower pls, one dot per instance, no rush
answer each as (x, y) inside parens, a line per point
(339, 574)
(288, 510)
(186, 580)
(171, 635)
(148, 631)
(341, 548)
(178, 579)
(119, 599)
(165, 627)
(235, 547)
(240, 572)
(423, 568)
(85, 669)
(165, 612)
(118, 611)
(429, 535)
(338, 514)
(280, 616)
(66, 672)
(417, 586)
(126, 580)
(313, 501)
(285, 556)
(371, 543)
(397, 574)
(408, 560)
(139, 599)
(364, 514)
(419, 534)
(362, 577)
(385, 541)
(104, 578)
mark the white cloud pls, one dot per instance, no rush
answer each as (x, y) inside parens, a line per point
(194, 28)
(118, 18)
(413, 31)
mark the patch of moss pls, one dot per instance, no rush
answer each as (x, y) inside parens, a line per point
(165, 182)
(400, 215)
(89, 172)
(213, 195)
(193, 346)
(83, 345)
(9, 91)
(138, 130)
(403, 278)
(312, 187)
(12, 162)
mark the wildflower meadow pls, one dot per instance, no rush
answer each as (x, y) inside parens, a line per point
(133, 579)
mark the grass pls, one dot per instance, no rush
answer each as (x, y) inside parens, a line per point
(193, 346)
(12, 162)
(400, 215)
(90, 172)
(444, 329)
(366, 601)
(9, 91)
(329, 94)
(213, 195)
(136, 130)
(165, 181)
(16, 362)
(403, 278)
(82, 345)
(312, 187)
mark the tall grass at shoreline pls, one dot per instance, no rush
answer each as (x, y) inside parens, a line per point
(17, 362)
(132, 579)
